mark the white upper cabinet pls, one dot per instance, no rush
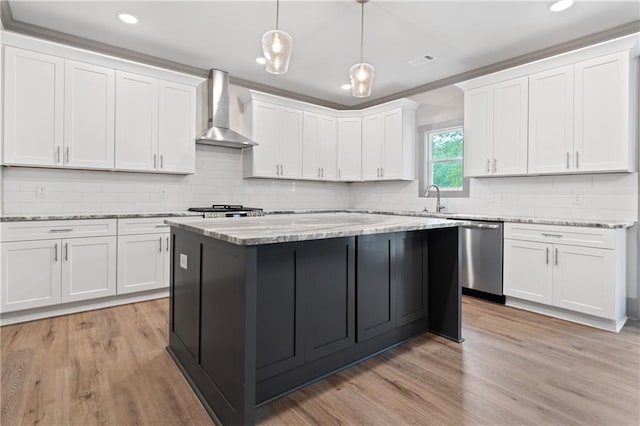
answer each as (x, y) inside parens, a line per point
(319, 147)
(89, 108)
(551, 121)
(371, 147)
(571, 113)
(136, 122)
(278, 132)
(510, 117)
(495, 129)
(478, 131)
(89, 111)
(388, 144)
(350, 149)
(33, 108)
(177, 131)
(604, 134)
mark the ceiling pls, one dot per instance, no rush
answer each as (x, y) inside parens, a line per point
(462, 35)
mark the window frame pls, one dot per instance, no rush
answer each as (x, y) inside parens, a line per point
(425, 159)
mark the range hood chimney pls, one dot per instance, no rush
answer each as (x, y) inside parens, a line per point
(218, 132)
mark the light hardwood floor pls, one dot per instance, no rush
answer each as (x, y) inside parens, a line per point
(110, 367)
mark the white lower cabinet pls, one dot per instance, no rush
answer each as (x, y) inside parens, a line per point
(88, 268)
(143, 262)
(579, 279)
(31, 274)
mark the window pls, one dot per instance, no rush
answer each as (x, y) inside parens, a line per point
(443, 154)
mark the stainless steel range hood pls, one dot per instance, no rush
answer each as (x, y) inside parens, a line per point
(219, 132)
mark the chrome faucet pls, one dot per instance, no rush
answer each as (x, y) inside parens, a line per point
(439, 207)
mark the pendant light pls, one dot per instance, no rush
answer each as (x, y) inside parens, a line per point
(276, 47)
(361, 74)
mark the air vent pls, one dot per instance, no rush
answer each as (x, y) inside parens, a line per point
(421, 60)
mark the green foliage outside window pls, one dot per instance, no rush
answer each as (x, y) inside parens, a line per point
(444, 146)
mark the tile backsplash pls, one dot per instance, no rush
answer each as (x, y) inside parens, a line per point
(218, 178)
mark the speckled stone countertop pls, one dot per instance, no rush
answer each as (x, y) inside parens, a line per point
(80, 216)
(593, 223)
(248, 231)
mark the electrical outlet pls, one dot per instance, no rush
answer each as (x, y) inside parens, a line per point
(578, 198)
(41, 191)
(163, 192)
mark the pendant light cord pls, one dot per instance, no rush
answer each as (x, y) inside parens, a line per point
(361, 32)
(277, 13)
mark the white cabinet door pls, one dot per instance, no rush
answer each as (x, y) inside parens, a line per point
(328, 147)
(141, 262)
(478, 131)
(528, 272)
(602, 128)
(310, 146)
(551, 121)
(30, 274)
(510, 115)
(350, 149)
(177, 131)
(584, 280)
(372, 147)
(89, 116)
(265, 130)
(291, 143)
(136, 122)
(392, 145)
(33, 108)
(88, 268)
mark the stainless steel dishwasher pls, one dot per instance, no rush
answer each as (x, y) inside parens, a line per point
(481, 260)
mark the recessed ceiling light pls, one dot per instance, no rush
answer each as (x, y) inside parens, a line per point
(127, 18)
(261, 60)
(560, 5)
(346, 86)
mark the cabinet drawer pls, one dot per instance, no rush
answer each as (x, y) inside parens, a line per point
(570, 235)
(149, 225)
(51, 229)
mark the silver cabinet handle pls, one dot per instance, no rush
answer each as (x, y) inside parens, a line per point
(556, 256)
(338, 173)
(495, 165)
(58, 154)
(568, 160)
(488, 165)
(277, 170)
(377, 171)
(551, 235)
(318, 171)
(61, 230)
(55, 252)
(160, 244)
(162, 226)
(167, 243)
(547, 251)
(577, 160)
(162, 161)
(66, 251)
(381, 171)
(155, 161)
(66, 155)
(281, 170)
(322, 172)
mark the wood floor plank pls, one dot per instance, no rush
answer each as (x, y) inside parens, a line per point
(110, 367)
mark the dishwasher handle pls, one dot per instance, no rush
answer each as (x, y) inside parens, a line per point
(480, 226)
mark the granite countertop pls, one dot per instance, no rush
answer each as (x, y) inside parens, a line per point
(592, 223)
(80, 216)
(248, 231)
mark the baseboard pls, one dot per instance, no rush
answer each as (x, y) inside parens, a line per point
(75, 307)
(552, 311)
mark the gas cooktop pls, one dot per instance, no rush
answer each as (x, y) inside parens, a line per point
(227, 210)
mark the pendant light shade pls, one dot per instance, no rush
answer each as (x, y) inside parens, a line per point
(277, 46)
(362, 73)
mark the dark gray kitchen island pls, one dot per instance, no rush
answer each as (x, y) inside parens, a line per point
(262, 306)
